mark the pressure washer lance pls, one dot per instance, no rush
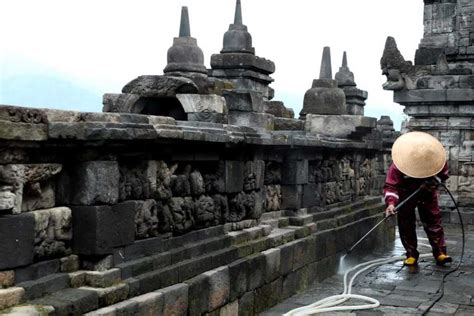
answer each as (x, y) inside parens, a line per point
(396, 210)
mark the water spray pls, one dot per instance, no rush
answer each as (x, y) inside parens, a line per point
(396, 210)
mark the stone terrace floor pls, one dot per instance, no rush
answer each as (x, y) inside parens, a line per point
(399, 290)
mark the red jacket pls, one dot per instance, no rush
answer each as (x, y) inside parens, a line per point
(399, 186)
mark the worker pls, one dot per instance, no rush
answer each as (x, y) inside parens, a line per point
(419, 160)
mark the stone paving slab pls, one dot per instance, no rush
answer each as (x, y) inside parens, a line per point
(401, 291)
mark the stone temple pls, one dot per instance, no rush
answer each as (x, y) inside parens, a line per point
(195, 192)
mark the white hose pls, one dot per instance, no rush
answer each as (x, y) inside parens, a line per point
(329, 304)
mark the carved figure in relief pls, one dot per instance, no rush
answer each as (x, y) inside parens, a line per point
(53, 232)
(164, 174)
(272, 198)
(180, 184)
(205, 213)
(196, 183)
(237, 208)
(27, 183)
(214, 182)
(182, 210)
(146, 220)
(465, 182)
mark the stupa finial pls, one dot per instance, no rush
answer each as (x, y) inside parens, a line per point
(326, 70)
(238, 13)
(184, 29)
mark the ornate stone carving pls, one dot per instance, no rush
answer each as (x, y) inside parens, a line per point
(205, 212)
(164, 175)
(138, 181)
(180, 184)
(400, 74)
(466, 178)
(165, 218)
(53, 232)
(146, 220)
(196, 182)
(23, 115)
(272, 197)
(221, 205)
(181, 211)
(237, 209)
(214, 182)
(25, 187)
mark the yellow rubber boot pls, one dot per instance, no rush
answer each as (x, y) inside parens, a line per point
(442, 259)
(410, 261)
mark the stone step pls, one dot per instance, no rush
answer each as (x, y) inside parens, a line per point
(151, 246)
(271, 215)
(157, 261)
(301, 220)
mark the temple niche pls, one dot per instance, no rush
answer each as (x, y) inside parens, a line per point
(437, 91)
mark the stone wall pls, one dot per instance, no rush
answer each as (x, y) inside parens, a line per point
(107, 208)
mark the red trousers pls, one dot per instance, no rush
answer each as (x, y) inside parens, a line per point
(430, 216)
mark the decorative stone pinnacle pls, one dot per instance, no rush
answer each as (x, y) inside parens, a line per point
(344, 76)
(344, 60)
(326, 70)
(238, 13)
(184, 29)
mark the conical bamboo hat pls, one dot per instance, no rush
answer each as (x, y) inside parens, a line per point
(418, 155)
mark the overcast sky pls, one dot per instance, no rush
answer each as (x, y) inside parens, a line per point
(66, 54)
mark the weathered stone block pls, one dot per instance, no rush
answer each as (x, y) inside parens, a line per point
(98, 229)
(150, 304)
(175, 299)
(96, 182)
(292, 196)
(70, 301)
(160, 86)
(7, 278)
(11, 296)
(109, 295)
(260, 121)
(45, 285)
(245, 101)
(198, 295)
(193, 103)
(246, 304)
(218, 283)
(231, 309)
(288, 124)
(272, 259)
(268, 295)
(123, 102)
(17, 233)
(342, 126)
(103, 278)
(294, 172)
(286, 258)
(69, 264)
(256, 276)
(23, 131)
(234, 174)
(238, 277)
(278, 109)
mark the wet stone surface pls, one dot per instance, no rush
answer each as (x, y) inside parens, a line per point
(401, 290)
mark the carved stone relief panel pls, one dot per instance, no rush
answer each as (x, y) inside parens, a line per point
(27, 187)
(53, 232)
